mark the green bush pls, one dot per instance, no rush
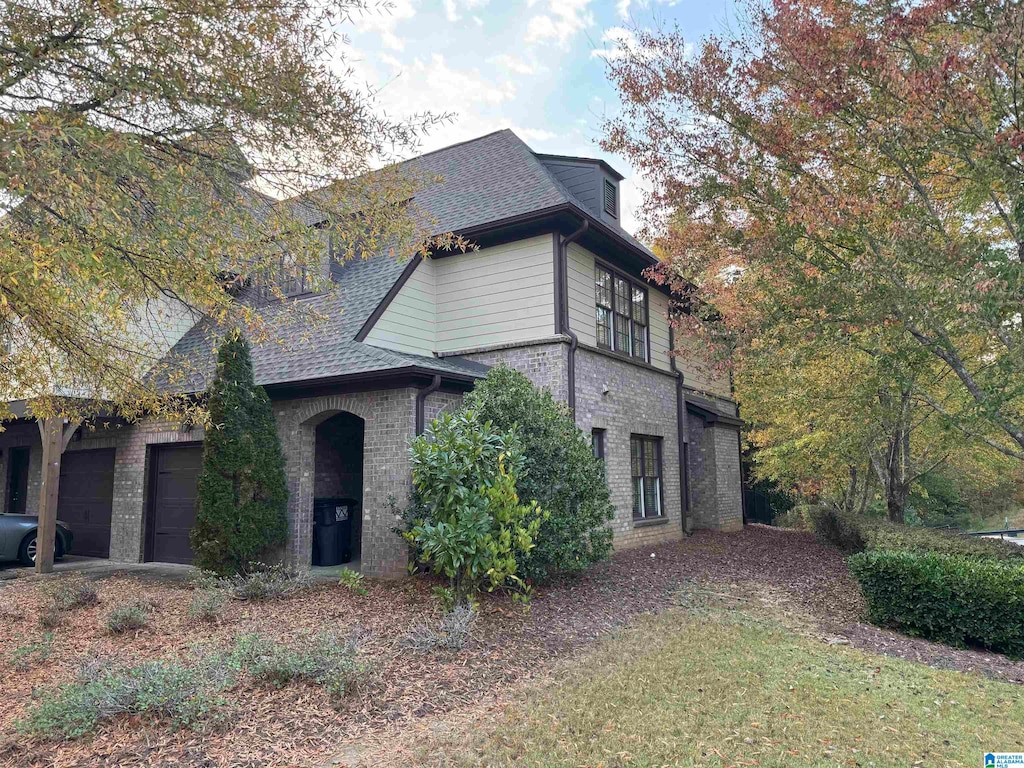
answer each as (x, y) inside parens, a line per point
(184, 694)
(207, 605)
(68, 592)
(467, 522)
(128, 616)
(952, 599)
(353, 581)
(242, 491)
(263, 582)
(326, 660)
(559, 471)
(905, 538)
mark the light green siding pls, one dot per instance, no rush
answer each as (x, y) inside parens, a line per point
(409, 322)
(498, 295)
(582, 319)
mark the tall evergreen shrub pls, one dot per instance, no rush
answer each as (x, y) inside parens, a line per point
(562, 473)
(243, 495)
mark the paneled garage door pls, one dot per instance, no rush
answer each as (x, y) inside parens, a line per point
(174, 470)
(84, 499)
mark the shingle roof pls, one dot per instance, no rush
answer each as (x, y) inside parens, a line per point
(485, 180)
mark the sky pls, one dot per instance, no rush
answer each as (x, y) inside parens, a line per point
(535, 66)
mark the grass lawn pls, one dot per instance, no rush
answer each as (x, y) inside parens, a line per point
(726, 688)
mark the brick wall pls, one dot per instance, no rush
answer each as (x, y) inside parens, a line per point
(640, 400)
(544, 363)
(715, 491)
(626, 399)
(389, 423)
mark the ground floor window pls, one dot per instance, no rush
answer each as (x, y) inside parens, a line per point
(645, 454)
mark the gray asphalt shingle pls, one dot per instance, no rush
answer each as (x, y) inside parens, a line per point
(485, 180)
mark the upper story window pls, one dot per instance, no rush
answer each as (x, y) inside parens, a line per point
(611, 199)
(622, 316)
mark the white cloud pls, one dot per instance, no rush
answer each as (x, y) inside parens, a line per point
(563, 19)
(534, 134)
(433, 85)
(514, 64)
(618, 42)
(452, 7)
(622, 6)
(383, 21)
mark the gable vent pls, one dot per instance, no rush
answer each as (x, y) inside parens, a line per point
(610, 199)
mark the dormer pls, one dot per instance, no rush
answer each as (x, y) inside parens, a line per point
(593, 182)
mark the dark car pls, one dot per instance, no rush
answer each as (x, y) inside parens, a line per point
(18, 538)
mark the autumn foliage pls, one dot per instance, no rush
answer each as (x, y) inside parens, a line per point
(840, 185)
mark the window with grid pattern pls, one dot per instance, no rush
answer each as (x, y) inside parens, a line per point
(603, 294)
(622, 314)
(645, 459)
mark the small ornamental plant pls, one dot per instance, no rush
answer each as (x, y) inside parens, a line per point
(467, 522)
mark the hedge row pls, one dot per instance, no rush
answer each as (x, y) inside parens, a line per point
(955, 599)
(857, 534)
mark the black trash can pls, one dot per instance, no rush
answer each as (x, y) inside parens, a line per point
(332, 530)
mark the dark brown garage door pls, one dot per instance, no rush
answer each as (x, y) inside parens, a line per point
(175, 469)
(84, 499)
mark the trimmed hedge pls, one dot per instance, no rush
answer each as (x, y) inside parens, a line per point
(954, 599)
(906, 539)
(852, 533)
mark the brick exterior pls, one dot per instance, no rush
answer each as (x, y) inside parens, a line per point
(715, 488)
(640, 400)
(545, 363)
(625, 399)
(130, 443)
(388, 423)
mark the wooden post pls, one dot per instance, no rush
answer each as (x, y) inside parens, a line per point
(51, 430)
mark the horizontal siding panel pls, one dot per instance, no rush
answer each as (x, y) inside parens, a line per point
(659, 330)
(498, 295)
(582, 305)
(409, 322)
(512, 281)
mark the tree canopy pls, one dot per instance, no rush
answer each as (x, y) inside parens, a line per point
(840, 185)
(145, 149)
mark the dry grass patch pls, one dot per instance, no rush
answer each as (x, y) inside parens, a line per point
(727, 688)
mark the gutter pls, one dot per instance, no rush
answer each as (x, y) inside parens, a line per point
(421, 400)
(562, 292)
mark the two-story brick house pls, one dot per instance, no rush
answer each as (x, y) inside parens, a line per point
(555, 290)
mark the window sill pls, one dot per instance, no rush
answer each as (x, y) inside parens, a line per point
(649, 521)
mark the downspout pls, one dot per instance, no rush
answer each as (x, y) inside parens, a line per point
(421, 401)
(563, 309)
(684, 458)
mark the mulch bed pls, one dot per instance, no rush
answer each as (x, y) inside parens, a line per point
(296, 725)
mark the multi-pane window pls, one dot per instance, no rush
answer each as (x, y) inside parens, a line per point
(597, 443)
(603, 294)
(645, 458)
(621, 314)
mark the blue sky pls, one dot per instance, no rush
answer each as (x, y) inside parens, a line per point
(536, 66)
